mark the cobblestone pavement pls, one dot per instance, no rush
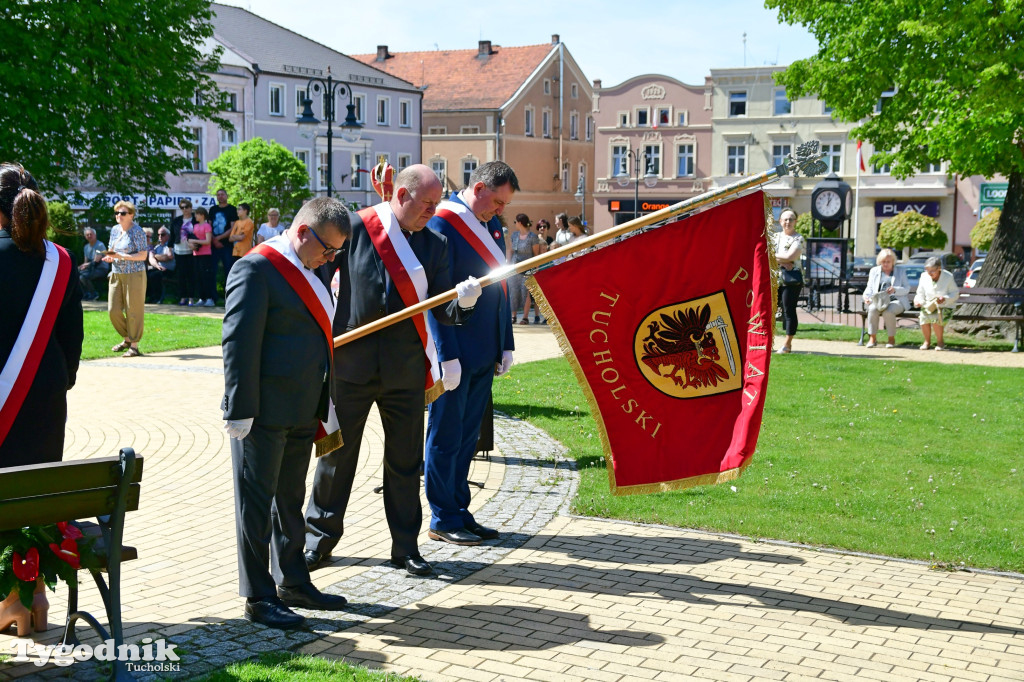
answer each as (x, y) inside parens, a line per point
(556, 598)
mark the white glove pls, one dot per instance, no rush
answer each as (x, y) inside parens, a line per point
(238, 428)
(506, 363)
(469, 292)
(451, 374)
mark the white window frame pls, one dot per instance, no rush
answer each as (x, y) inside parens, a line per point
(321, 170)
(574, 125)
(624, 119)
(356, 164)
(359, 100)
(618, 163)
(668, 115)
(736, 163)
(565, 176)
(528, 121)
(300, 94)
(195, 155)
(691, 156)
(440, 167)
(405, 113)
(574, 91)
(282, 90)
(437, 130)
(653, 157)
(545, 122)
(466, 171)
(404, 161)
(681, 118)
(832, 154)
(590, 128)
(547, 86)
(228, 139)
(469, 130)
(647, 114)
(383, 112)
(776, 92)
(745, 100)
(305, 155)
(780, 151)
(230, 100)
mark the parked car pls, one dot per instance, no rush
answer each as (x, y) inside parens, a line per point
(914, 272)
(972, 274)
(950, 261)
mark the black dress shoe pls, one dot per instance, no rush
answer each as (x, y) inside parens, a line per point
(308, 597)
(270, 611)
(314, 559)
(414, 564)
(482, 531)
(459, 536)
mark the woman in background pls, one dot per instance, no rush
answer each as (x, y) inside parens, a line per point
(788, 248)
(126, 297)
(885, 296)
(523, 245)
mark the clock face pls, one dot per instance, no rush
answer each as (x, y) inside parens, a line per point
(828, 203)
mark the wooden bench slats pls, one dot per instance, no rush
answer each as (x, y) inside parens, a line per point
(55, 507)
(26, 481)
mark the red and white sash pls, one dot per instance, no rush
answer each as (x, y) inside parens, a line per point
(474, 232)
(409, 278)
(320, 305)
(20, 369)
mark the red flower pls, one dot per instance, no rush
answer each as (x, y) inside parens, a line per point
(68, 551)
(27, 568)
(69, 531)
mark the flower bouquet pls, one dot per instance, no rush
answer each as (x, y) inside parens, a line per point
(48, 552)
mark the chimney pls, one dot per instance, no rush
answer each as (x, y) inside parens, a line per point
(484, 49)
(597, 83)
(382, 53)
(554, 39)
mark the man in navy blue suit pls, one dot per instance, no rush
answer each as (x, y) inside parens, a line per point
(472, 354)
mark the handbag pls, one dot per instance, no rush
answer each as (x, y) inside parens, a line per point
(791, 278)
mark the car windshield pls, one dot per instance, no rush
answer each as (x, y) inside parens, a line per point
(914, 273)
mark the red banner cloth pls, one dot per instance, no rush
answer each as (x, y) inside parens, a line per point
(670, 334)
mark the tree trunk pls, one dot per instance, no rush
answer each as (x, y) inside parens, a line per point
(1004, 265)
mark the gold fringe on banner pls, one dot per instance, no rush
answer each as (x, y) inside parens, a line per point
(773, 264)
(329, 443)
(433, 393)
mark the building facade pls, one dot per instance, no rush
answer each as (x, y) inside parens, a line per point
(755, 126)
(529, 106)
(654, 127)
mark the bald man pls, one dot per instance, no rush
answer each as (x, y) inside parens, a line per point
(391, 263)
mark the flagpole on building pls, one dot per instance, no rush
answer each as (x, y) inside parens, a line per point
(856, 199)
(808, 162)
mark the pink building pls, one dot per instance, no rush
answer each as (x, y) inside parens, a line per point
(663, 124)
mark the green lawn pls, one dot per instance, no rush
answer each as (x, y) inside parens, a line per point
(161, 332)
(284, 667)
(904, 459)
(905, 336)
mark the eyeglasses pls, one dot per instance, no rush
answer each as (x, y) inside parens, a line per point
(328, 251)
(121, 213)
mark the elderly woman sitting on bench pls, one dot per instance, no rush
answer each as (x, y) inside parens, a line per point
(885, 296)
(936, 295)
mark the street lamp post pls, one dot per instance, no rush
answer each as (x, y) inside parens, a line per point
(581, 197)
(650, 177)
(351, 129)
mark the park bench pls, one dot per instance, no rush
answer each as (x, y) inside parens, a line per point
(105, 488)
(987, 296)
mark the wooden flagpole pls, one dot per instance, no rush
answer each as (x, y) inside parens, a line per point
(507, 271)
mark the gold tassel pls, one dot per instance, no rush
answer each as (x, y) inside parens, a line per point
(433, 393)
(329, 443)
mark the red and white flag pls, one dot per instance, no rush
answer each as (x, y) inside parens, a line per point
(670, 333)
(860, 155)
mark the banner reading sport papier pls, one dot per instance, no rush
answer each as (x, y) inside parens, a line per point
(670, 335)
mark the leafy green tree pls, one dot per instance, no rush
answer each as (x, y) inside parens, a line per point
(984, 231)
(950, 77)
(103, 90)
(805, 226)
(262, 174)
(911, 230)
(64, 227)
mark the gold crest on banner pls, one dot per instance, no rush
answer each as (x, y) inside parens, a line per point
(689, 349)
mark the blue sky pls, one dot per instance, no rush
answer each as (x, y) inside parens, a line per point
(612, 41)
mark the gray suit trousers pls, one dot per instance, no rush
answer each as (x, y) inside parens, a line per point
(270, 467)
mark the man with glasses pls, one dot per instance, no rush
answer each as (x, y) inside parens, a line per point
(161, 260)
(392, 263)
(277, 373)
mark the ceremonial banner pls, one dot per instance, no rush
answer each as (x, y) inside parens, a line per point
(670, 335)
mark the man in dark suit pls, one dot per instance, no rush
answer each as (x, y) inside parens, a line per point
(478, 351)
(277, 365)
(389, 252)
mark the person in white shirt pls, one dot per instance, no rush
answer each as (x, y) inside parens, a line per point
(271, 228)
(936, 295)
